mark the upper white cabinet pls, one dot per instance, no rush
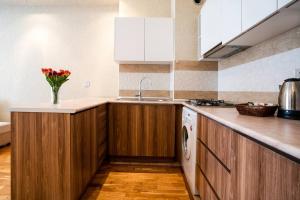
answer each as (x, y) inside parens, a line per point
(144, 40)
(210, 25)
(159, 40)
(231, 19)
(129, 39)
(282, 3)
(253, 11)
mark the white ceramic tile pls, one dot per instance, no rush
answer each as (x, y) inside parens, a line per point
(260, 75)
(196, 80)
(155, 81)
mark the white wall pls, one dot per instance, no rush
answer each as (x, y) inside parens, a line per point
(145, 8)
(186, 18)
(79, 39)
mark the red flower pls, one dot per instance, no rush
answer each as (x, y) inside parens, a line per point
(49, 72)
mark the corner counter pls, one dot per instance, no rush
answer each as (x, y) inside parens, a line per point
(56, 150)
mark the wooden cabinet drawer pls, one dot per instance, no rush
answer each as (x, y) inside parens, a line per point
(217, 138)
(217, 175)
(204, 189)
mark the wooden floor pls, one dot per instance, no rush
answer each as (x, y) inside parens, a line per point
(118, 182)
(4, 173)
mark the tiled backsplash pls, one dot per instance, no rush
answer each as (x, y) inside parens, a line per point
(194, 79)
(255, 74)
(157, 84)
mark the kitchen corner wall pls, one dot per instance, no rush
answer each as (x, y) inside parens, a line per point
(255, 74)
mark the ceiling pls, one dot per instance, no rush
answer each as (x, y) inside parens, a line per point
(60, 2)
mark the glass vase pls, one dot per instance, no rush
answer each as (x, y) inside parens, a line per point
(55, 96)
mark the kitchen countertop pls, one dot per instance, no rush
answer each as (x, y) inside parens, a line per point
(74, 106)
(67, 106)
(281, 134)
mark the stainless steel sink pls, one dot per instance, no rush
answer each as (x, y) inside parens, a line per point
(154, 99)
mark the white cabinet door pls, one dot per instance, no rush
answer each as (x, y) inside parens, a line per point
(254, 11)
(210, 25)
(282, 3)
(129, 39)
(231, 19)
(159, 43)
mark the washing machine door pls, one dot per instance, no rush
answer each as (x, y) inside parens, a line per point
(186, 143)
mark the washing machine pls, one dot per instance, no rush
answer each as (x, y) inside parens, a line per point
(189, 143)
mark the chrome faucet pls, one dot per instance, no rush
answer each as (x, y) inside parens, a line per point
(140, 96)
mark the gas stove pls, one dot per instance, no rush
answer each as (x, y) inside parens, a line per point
(210, 102)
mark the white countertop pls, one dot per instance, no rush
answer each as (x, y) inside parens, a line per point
(67, 106)
(281, 134)
(74, 106)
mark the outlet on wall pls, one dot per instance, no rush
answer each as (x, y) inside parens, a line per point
(297, 73)
(87, 84)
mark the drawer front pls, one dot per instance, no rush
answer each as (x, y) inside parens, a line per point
(216, 174)
(217, 138)
(205, 191)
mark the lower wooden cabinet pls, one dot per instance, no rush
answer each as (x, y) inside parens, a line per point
(101, 133)
(83, 150)
(141, 130)
(204, 189)
(261, 173)
(55, 155)
(251, 172)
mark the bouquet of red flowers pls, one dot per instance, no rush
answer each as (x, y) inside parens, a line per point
(56, 79)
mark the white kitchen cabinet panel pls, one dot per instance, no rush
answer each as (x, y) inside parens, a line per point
(231, 11)
(129, 39)
(254, 11)
(159, 43)
(282, 3)
(210, 25)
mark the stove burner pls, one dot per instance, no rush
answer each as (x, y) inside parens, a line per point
(209, 102)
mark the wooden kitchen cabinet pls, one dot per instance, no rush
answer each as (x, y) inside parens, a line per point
(141, 130)
(231, 166)
(55, 155)
(217, 138)
(261, 173)
(83, 150)
(101, 134)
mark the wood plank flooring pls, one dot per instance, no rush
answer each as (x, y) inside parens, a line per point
(118, 182)
(5, 173)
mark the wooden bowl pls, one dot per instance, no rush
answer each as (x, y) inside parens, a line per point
(258, 111)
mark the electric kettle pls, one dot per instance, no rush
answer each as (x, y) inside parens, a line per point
(289, 99)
